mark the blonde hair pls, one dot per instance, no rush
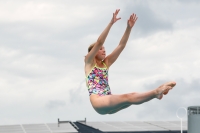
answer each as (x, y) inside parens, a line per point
(90, 47)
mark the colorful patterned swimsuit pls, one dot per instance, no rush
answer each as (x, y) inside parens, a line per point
(97, 81)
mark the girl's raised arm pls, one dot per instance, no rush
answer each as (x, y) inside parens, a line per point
(91, 55)
(110, 59)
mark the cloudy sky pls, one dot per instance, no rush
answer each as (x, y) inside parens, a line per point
(43, 44)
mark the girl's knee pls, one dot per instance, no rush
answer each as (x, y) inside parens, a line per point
(127, 98)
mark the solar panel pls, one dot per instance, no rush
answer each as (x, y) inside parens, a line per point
(36, 128)
(137, 126)
(64, 127)
(39, 128)
(121, 126)
(144, 126)
(178, 124)
(11, 129)
(102, 126)
(165, 125)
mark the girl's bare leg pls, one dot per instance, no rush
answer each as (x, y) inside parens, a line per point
(110, 104)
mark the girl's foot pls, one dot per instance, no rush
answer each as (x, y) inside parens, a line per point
(164, 89)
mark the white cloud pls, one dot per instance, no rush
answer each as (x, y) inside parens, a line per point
(164, 55)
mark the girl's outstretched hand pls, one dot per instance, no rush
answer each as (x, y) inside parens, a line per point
(132, 20)
(114, 19)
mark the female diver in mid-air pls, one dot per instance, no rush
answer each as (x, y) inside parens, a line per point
(96, 71)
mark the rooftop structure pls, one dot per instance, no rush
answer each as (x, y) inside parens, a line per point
(98, 127)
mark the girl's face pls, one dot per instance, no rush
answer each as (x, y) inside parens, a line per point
(101, 53)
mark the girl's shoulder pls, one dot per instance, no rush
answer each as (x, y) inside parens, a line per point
(105, 61)
(87, 63)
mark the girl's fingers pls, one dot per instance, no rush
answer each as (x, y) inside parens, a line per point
(133, 15)
(118, 18)
(132, 20)
(116, 12)
(136, 18)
